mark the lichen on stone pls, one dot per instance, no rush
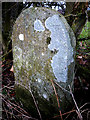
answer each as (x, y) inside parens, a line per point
(60, 41)
(38, 26)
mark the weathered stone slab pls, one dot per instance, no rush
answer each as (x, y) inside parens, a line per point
(43, 50)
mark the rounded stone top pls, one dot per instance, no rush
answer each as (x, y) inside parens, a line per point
(43, 41)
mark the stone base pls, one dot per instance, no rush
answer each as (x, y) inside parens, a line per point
(48, 109)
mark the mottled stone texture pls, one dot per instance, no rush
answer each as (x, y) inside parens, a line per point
(43, 50)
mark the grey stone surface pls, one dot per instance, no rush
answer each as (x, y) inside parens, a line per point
(43, 50)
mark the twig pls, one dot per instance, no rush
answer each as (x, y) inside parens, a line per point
(8, 102)
(12, 104)
(73, 15)
(84, 105)
(57, 99)
(33, 99)
(5, 110)
(6, 53)
(88, 114)
(65, 113)
(35, 102)
(85, 110)
(11, 87)
(61, 87)
(68, 113)
(77, 111)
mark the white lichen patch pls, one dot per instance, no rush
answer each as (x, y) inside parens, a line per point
(42, 54)
(60, 42)
(38, 26)
(21, 37)
(45, 96)
(39, 80)
(35, 8)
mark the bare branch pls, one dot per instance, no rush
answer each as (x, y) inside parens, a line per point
(77, 111)
(57, 99)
